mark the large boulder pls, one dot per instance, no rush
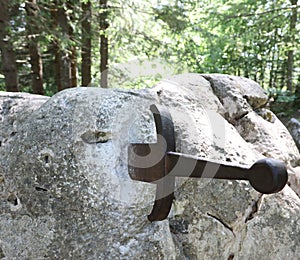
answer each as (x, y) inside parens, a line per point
(65, 192)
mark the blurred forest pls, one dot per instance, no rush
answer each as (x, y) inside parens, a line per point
(47, 46)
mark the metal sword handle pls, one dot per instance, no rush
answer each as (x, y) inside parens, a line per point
(266, 175)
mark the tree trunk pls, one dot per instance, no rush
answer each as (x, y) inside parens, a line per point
(104, 61)
(104, 43)
(34, 53)
(9, 65)
(290, 60)
(262, 74)
(271, 77)
(86, 50)
(63, 56)
(278, 73)
(57, 64)
(73, 50)
(54, 50)
(73, 67)
(283, 75)
(297, 94)
(272, 53)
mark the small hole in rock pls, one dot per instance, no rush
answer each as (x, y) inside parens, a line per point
(46, 159)
(13, 134)
(13, 199)
(231, 257)
(15, 202)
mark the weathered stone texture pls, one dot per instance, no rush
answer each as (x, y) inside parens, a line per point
(65, 192)
(294, 128)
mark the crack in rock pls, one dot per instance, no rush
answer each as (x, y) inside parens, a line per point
(230, 257)
(1, 254)
(221, 222)
(254, 209)
(179, 226)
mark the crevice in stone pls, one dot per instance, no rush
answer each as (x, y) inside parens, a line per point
(178, 226)
(1, 179)
(220, 221)
(212, 85)
(95, 137)
(230, 257)
(1, 253)
(241, 116)
(254, 209)
(131, 92)
(289, 184)
(232, 121)
(180, 245)
(41, 189)
(13, 134)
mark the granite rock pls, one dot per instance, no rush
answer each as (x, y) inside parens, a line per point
(65, 192)
(294, 127)
(269, 136)
(238, 95)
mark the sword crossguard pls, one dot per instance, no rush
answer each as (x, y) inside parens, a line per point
(159, 164)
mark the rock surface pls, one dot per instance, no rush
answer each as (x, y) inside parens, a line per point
(294, 127)
(238, 95)
(65, 192)
(268, 136)
(294, 179)
(14, 108)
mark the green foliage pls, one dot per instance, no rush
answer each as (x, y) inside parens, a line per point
(247, 38)
(281, 96)
(282, 101)
(2, 83)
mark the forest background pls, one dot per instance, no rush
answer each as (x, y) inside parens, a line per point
(50, 45)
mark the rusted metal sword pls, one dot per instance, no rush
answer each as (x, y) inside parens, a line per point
(159, 164)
